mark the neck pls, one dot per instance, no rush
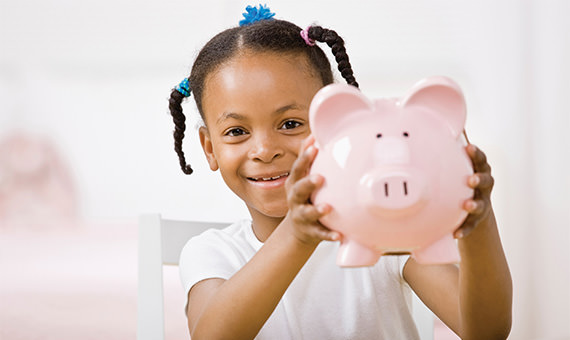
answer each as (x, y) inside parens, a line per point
(263, 225)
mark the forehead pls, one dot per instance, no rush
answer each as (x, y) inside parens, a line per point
(253, 67)
(252, 82)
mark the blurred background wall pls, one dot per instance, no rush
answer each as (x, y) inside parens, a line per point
(93, 79)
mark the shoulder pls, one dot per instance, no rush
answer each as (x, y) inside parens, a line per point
(216, 253)
(235, 236)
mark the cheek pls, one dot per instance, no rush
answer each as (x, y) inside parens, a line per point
(228, 156)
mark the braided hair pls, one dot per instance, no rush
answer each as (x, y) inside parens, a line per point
(277, 36)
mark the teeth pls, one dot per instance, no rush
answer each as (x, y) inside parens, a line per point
(270, 178)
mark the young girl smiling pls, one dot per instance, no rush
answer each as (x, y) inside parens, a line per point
(272, 277)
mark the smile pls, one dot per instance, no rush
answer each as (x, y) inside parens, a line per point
(267, 179)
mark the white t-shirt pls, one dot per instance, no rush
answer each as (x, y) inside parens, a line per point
(324, 301)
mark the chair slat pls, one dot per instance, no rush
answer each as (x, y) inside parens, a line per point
(175, 234)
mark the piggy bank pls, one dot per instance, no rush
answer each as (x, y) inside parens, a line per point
(395, 170)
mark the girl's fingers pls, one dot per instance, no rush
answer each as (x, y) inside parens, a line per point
(307, 142)
(467, 226)
(309, 214)
(474, 206)
(328, 235)
(321, 232)
(302, 164)
(301, 191)
(465, 229)
(300, 187)
(481, 180)
(478, 158)
(476, 209)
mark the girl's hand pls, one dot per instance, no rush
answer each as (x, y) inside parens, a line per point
(303, 215)
(478, 207)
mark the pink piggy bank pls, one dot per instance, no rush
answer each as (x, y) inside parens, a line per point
(395, 170)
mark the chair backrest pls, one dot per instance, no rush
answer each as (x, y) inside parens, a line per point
(161, 241)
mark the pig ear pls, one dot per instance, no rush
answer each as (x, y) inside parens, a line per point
(330, 106)
(444, 97)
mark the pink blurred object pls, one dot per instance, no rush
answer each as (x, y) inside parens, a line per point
(78, 283)
(36, 188)
(395, 170)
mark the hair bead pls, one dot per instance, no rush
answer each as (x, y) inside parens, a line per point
(255, 14)
(184, 87)
(305, 36)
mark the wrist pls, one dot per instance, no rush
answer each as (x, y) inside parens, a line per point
(296, 237)
(483, 242)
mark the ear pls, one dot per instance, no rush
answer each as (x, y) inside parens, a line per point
(444, 97)
(330, 106)
(208, 148)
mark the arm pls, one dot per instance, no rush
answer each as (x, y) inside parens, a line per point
(474, 299)
(239, 307)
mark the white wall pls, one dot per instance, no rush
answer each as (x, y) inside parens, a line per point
(94, 76)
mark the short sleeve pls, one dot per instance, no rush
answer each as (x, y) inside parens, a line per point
(207, 256)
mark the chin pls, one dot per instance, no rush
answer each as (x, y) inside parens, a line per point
(271, 212)
(276, 213)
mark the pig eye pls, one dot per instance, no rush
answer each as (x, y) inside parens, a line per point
(406, 134)
(379, 135)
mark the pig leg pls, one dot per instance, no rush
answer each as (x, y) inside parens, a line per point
(354, 254)
(441, 251)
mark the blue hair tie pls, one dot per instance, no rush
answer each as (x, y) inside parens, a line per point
(184, 87)
(255, 14)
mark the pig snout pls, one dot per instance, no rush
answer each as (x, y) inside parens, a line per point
(393, 187)
(393, 192)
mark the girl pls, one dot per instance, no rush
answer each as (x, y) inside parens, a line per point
(273, 277)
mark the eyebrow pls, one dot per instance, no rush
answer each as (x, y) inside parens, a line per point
(238, 116)
(228, 115)
(287, 108)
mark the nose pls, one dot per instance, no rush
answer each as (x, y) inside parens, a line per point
(265, 148)
(393, 193)
(394, 187)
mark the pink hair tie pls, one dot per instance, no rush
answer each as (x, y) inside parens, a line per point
(305, 36)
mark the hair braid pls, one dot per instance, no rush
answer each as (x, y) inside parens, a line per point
(335, 42)
(175, 105)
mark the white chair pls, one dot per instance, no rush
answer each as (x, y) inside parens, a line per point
(161, 241)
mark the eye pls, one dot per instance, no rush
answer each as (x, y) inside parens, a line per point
(234, 132)
(406, 134)
(291, 124)
(379, 135)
